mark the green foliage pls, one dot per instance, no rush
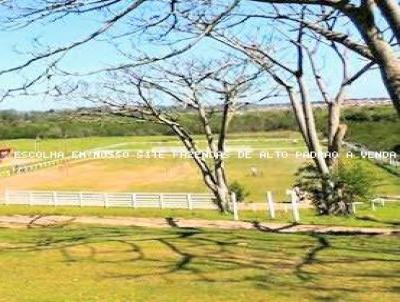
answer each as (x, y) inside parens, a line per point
(378, 136)
(370, 114)
(377, 128)
(239, 190)
(357, 181)
(58, 124)
(350, 182)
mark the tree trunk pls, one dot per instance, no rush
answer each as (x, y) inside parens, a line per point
(389, 65)
(391, 11)
(223, 198)
(314, 145)
(216, 183)
(386, 58)
(332, 202)
(334, 120)
(299, 115)
(221, 190)
(336, 133)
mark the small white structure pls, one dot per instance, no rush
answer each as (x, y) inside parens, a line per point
(270, 205)
(234, 207)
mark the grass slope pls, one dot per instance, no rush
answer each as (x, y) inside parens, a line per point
(77, 263)
(174, 175)
(377, 128)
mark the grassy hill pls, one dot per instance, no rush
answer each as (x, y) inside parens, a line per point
(377, 128)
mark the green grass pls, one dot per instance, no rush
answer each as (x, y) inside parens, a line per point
(173, 175)
(181, 175)
(77, 263)
(375, 135)
(388, 216)
(164, 175)
(80, 144)
(377, 128)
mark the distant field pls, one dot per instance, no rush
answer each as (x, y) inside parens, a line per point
(156, 175)
(376, 136)
(172, 174)
(378, 128)
(136, 142)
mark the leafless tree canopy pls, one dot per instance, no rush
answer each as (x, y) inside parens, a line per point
(293, 47)
(211, 92)
(370, 28)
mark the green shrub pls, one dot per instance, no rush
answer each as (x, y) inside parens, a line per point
(350, 182)
(239, 190)
(357, 181)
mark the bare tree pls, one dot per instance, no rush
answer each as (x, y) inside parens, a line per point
(147, 21)
(373, 36)
(377, 22)
(163, 94)
(297, 71)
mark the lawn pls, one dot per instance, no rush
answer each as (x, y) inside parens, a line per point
(77, 263)
(79, 144)
(388, 216)
(381, 135)
(157, 175)
(173, 174)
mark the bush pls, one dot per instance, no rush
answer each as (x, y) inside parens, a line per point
(239, 190)
(350, 182)
(357, 181)
(357, 116)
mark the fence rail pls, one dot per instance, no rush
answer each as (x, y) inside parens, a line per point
(188, 201)
(374, 155)
(30, 167)
(97, 199)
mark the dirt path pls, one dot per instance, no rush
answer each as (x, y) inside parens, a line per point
(18, 221)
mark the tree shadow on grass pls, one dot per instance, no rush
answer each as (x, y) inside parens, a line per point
(311, 256)
(264, 260)
(256, 224)
(373, 219)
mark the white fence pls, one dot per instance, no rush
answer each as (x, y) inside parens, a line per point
(376, 156)
(94, 199)
(30, 167)
(188, 201)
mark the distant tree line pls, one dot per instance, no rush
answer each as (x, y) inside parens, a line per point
(58, 124)
(366, 125)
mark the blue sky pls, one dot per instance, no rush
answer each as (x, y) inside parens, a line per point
(97, 54)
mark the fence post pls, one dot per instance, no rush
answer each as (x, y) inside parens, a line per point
(373, 205)
(133, 197)
(105, 198)
(80, 199)
(295, 208)
(189, 200)
(353, 208)
(271, 206)
(285, 206)
(30, 198)
(6, 197)
(235, 206)
(161, 199)
(55, 199)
